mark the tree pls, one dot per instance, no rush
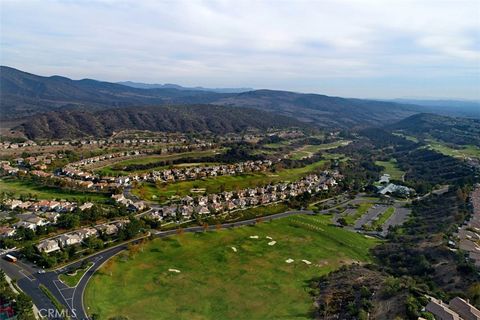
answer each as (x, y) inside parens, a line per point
(68, 221)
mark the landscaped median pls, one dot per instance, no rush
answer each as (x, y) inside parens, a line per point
(71, 279)
(60, 307)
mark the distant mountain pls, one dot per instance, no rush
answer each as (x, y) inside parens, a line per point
(194, 118)
(321, 110)
(460, 131)
(23, 94)
(463, 108)
(141, 85)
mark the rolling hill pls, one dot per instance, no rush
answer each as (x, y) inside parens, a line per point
(460, 131)
(194, 118)
(23, 94)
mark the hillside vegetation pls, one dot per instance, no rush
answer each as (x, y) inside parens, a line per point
(24, 94)
(458, 131)
(198, 118)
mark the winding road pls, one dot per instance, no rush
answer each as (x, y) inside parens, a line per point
(29, 277)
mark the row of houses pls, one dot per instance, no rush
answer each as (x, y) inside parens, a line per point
(456, 309)
(16, 145)
(241, 199)
(76, 237)
(193, 173)
(44, 205)
(133, 153)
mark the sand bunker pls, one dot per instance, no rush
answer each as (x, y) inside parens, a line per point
(174, 270)
(271, 243)
(289, 260)
(234, 249)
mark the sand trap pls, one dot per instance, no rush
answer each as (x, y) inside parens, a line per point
(234, 249)
(253, 237)
(174, 270)
(289, 260)
(268, 237)
(306, 261)
(271, 243)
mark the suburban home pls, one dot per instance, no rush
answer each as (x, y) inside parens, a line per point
(6, 232)
(441, 311)
(464, 309)
(108, 229)
(48, 246)
(85, 206)
(69, 239)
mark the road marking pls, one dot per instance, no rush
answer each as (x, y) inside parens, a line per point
(28, 275)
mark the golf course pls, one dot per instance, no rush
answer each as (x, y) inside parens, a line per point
(251, 272)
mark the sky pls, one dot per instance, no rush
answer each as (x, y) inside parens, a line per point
(349, 48)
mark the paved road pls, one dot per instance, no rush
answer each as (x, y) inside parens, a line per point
(29, 279)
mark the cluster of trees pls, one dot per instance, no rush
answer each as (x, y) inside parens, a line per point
(20, 303)
(419, 250)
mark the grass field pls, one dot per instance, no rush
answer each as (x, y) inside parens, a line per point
(150, 191)
(115, 169)
(309, 150)
(461, 152)
(361, 210)
(26, 188)
(391, 168)
(410, 138)
(217, 283)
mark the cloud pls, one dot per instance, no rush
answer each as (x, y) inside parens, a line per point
(272, 44)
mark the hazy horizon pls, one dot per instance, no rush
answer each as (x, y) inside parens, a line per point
(361, 49)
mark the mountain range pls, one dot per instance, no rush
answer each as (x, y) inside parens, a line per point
(141, 85)
(28, 100)
(191, 118)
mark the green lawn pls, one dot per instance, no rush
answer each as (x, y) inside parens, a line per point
(150, 191)
(28, 188)
(72, 280)
(391, 168)
(115, 169)
(410, 138)
(217, 283)
(461, 152)
(361, 210)
(309, 150)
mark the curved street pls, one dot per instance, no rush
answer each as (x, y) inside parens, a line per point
(29, 277)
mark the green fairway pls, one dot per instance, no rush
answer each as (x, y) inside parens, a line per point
(29, 189)
(116, 168)
(215, 282)
(391, 168)
(460, 152)
(309, 150)
(150, 191)
(410, 138)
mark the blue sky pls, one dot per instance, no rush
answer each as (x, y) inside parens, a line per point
(351, 48)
